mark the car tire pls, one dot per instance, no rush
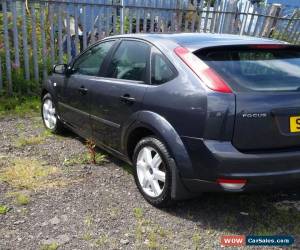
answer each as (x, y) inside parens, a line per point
(153, 171)
(49, 115)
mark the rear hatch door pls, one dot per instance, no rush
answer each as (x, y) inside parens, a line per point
(266, 83)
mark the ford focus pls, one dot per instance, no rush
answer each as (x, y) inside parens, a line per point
(192, 113)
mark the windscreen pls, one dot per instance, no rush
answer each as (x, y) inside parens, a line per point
(253, 68)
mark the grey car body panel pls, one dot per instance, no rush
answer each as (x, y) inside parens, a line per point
(196, 123)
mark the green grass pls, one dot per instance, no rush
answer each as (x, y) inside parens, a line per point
(147, 233)
(85, 158)
(20, 106)
(3, 209)
(52, 246)
(129, 169)
(28, 173)
(196, 239)
(102, 240)
(33, 140)
(87, 236)
(22, 199)
(138, 213)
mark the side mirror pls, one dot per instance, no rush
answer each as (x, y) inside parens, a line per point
(60, 68)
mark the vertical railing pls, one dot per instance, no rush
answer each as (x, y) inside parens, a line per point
(33, 39)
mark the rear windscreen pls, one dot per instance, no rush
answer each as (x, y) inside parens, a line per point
(255, 69)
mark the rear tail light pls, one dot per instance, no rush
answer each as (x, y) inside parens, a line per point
(210, 78)
(232, 184)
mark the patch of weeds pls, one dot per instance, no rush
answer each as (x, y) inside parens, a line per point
(129, 169)
(153, 233)
(87, 236)
(34, 140)
(22, 199)
(20, 126)
(47, 133)
(52, 246)
(27, 173)
(88, 221)
(153, 242)
(85, 159)
(114, 212)
(138, 213)
(196, 238)
(161, 231)
(102, 240)
(3, 209)
(19, 105)
(90, 144)
(28, 141)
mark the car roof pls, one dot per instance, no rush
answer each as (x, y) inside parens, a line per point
(195, 41)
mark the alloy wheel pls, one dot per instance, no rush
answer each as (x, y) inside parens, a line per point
(151, 171)
(49, 114)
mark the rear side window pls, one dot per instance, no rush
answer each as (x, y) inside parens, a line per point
(90, 62)
(251, 69)
(161, 70)
(130, 61)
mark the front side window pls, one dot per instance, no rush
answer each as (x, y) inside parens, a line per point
(130, 61)
(161, 71)
(90, 62)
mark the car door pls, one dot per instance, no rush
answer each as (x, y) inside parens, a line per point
(75, 94)
(120, 93)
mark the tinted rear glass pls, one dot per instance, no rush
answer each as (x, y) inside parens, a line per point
(250, 69)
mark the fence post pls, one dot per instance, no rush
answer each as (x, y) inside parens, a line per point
(50, 16)
(213, 20)
(122, 17)
(43, 36)
(25, 42)
(84, 27)
(59, 38)
(297, 31)
(15, 33)
(206, 16)
(1, 80)
(245, 18)
(288, 25)
(34, 45)
(69, 36)
(7, 49)
(77, 43)
(248, 32)
(270, 22)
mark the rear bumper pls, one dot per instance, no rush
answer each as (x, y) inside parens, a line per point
(263, 171)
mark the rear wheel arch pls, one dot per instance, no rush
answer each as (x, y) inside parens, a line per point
(156, 125)
(179, 159)
(134, 137)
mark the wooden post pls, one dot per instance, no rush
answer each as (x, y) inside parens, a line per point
(270, 22)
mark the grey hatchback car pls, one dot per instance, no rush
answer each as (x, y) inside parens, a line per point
(192, 113)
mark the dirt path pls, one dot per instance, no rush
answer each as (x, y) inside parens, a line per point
(75, 205)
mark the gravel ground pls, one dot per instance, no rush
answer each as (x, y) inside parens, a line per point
(85, 206)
